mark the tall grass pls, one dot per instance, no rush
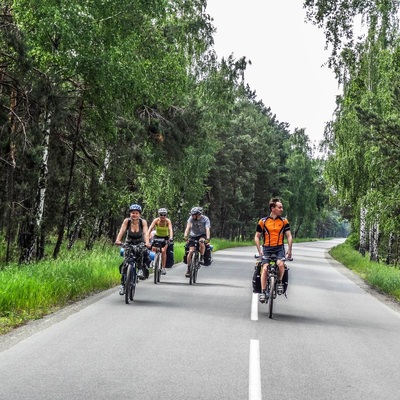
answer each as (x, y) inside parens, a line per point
(31, 291)
(380, 276)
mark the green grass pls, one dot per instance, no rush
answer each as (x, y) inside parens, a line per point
(381, 277)
(32, 291)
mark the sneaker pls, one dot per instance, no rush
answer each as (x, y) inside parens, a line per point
(140, 274)
(279, 288)
(122, 290)
(187, 273)
(262, 297)
(163, 271)
(201, 260)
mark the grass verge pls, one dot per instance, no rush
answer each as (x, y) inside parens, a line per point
(382, 277)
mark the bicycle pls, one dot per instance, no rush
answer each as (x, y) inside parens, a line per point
(194, 263)
(158, 244)
(133, 260)
(272, 280)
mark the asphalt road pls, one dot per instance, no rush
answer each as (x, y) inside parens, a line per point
(331, 338)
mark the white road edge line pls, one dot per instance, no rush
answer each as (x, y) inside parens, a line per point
(254, 371)
(254, 307)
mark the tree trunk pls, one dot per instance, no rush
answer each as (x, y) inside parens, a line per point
(61, 229)
(363, 231)
(31, 234)
(42, 186)
(298, 226)
(75, 232)
(11, 165)
(374, 239)
(98, 221)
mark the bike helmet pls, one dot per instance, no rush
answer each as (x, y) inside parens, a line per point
(135, 207)
(196, 210)
(163, 211)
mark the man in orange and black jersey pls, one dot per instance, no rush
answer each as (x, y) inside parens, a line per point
(274, 229)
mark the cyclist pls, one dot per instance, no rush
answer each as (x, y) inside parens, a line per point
(163, 230)
(197, 229)
(136, 230)
(273, 228)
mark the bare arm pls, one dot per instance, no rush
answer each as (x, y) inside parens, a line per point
(171, 233)
(290, 242)
(146, 233)
(153, 224)
(257, 242)
(187, 230)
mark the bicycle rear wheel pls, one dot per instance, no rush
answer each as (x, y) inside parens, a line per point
(271, 296)
(129, 283)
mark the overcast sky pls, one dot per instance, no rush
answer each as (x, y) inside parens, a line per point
(287, 55)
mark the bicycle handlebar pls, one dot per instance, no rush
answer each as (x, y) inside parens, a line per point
(272, 257)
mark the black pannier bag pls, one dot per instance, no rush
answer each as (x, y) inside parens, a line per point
(208, 255)
(186, 253)
(256, 282)
(285, 279)
(170, 256)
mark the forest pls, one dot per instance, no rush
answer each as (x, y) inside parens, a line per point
(106, 103)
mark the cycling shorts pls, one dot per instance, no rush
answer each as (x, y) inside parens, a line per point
(279, 251)
(192, 239)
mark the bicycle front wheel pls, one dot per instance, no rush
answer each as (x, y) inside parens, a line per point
(271, 296)
(192, 270)
(156, 271)
(129, 283)
(134, 281)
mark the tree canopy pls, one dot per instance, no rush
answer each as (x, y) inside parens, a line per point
(106, 103)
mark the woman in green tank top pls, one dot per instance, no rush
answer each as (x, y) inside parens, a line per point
(163, 230)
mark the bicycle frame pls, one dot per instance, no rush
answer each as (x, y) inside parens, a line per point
(133, 259)
(272, 280)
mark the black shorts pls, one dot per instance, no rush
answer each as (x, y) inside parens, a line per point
(279, 251)
(193, 239)
(162, 240)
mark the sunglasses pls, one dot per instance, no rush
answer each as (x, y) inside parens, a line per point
(162, 215)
